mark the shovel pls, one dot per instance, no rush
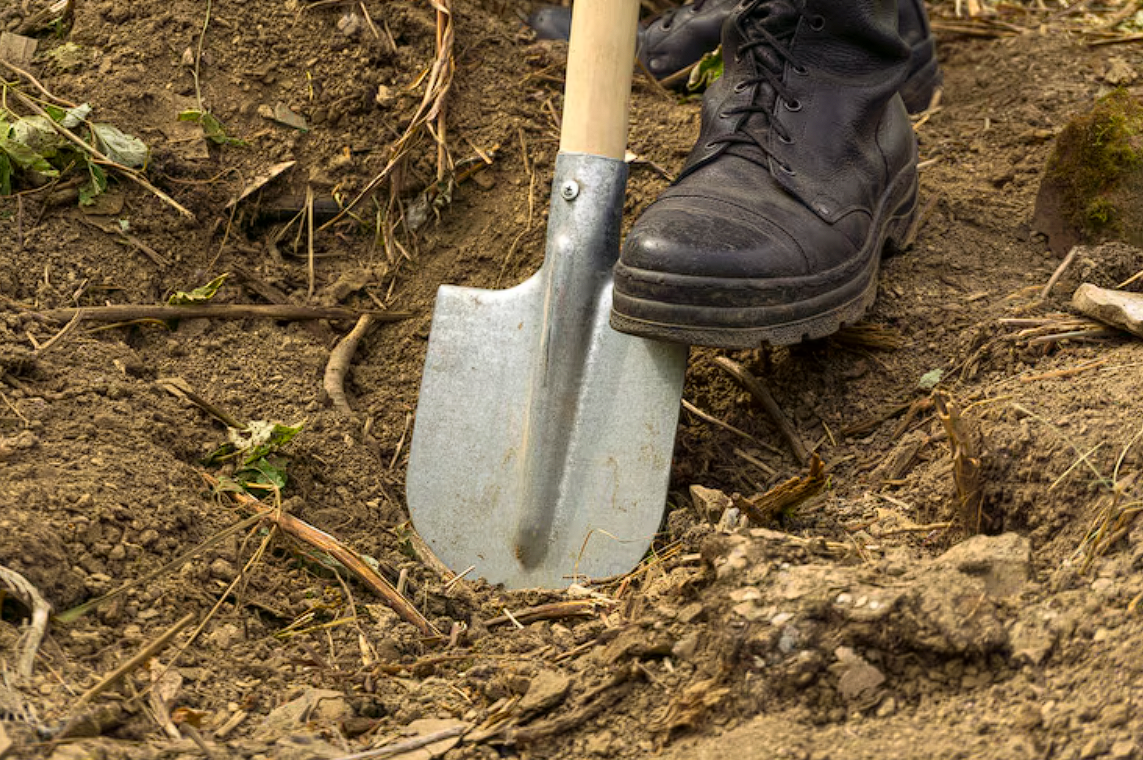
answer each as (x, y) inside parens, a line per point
(543, 438)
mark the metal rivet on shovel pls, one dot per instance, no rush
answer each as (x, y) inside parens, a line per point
(543, 438)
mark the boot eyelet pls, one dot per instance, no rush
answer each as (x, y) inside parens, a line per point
(800, 70)
(740, 87)
(787, 170)
(792, 105)
(785, 139)
(817, 23)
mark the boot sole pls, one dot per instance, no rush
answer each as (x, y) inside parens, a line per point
(781, 325)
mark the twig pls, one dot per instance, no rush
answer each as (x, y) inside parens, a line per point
(339, 360)
(289, 312)
(553, 611)
(401, 440)
(310, 241)
(915, 529)
(36, 83)
(408, 745)
(138, 659)
(762, 394)
(308, 534)
(1059, 272)
(69, 327)
(727, 427)
(179, 388)
(1066, 372)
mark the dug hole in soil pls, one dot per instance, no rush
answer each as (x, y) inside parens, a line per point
(867, 622)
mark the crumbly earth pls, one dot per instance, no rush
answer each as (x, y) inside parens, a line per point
(867, 622)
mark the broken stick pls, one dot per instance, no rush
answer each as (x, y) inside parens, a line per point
(762, 394)
(352, 561)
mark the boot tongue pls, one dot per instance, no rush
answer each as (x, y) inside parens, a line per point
(771, 20)
(777, 18)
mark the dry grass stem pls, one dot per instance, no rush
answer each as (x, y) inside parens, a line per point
(144, 654)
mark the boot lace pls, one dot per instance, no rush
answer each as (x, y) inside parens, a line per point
(766, 28)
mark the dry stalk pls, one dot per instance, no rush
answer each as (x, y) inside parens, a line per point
(763, 509)
(437, 85)
(967, 444)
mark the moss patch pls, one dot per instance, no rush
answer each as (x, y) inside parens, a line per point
(1091, 168)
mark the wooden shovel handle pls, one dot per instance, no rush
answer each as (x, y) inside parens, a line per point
(601, 56)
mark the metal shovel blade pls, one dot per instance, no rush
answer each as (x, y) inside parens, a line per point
(543, 438)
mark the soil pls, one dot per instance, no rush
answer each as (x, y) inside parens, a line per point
(866, 622)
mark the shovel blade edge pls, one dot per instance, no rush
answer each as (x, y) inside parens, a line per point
(465, 482)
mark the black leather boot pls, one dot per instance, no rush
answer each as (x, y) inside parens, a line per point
(680, 36)
(805, 166)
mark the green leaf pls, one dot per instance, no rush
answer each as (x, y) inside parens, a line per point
(706, 71)
(212, 128)
(96, 185)
(5, 175)
(262, 474)
(56, 113)
(198, 295)
(121, 147)
(277, 437)
(72, 117)
(25, 157)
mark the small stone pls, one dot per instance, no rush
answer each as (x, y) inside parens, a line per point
(1115, 715)
(222, 569)
(1098, 745)
(1003, 562)
(384, 96)
(350, 25)
(691, 613)
(857, 679)
(1031, 642)
(600, 743)
(729, 520)
(1125, 749)
(887, 707)
(1119, 72)
(1114, 307)
(685, 647)
(710, 502)
(315, 705)
(748, 610)
(546, 690)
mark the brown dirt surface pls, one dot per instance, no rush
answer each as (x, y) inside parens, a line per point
(865, 622)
